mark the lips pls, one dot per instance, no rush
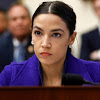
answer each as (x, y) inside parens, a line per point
(45, 54)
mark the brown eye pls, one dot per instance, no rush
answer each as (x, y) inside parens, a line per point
(13, 19)
(38, 33)
(57, 35)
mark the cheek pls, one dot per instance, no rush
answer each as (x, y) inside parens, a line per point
(28, 23)
(34, 39)
(36, 43)
(12, 25)
(64, 45)
(36, 47)
(61, 47)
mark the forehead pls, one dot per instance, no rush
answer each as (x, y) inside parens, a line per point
(17, 10)
(96, 3)
(49, 19)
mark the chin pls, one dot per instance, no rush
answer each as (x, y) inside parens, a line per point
(46, 62)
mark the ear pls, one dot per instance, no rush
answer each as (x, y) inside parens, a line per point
(72, 38)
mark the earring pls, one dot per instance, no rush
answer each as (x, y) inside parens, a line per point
(70, 46)
(32, 42)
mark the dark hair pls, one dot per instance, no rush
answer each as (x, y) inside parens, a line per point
(2, 11)
(58, 8)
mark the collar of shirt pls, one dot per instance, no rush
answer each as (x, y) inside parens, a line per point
(15, 46)
(17, 42)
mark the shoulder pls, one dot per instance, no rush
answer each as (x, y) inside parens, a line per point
(14, 70)
(92, 67)
(9, 73)
(5, 39)
(16, 67)
(90, 33)
(90, 64)
(87, 64)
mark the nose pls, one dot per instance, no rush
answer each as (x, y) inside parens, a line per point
(46, 42)
(19, 20)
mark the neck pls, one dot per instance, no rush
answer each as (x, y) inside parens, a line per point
(21, 39)
(52, 74)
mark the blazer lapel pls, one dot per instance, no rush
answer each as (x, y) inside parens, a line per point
(28, 75)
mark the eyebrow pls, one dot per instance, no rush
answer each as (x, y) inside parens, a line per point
(58, 29)
(38, 28)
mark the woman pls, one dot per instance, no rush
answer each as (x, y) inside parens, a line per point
(53, 26)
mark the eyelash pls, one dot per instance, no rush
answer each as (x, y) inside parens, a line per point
(36, 33)
(54, 34)
(58, 35)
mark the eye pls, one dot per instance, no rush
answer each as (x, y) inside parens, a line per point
(57, 35)
(38, 33)
(24, 17)
(13, 19)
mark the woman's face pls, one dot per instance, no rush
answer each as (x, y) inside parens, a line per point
(51, 39)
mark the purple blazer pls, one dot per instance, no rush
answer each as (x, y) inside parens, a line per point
(29, 73)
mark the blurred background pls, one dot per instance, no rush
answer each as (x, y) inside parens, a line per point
(86, 18)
